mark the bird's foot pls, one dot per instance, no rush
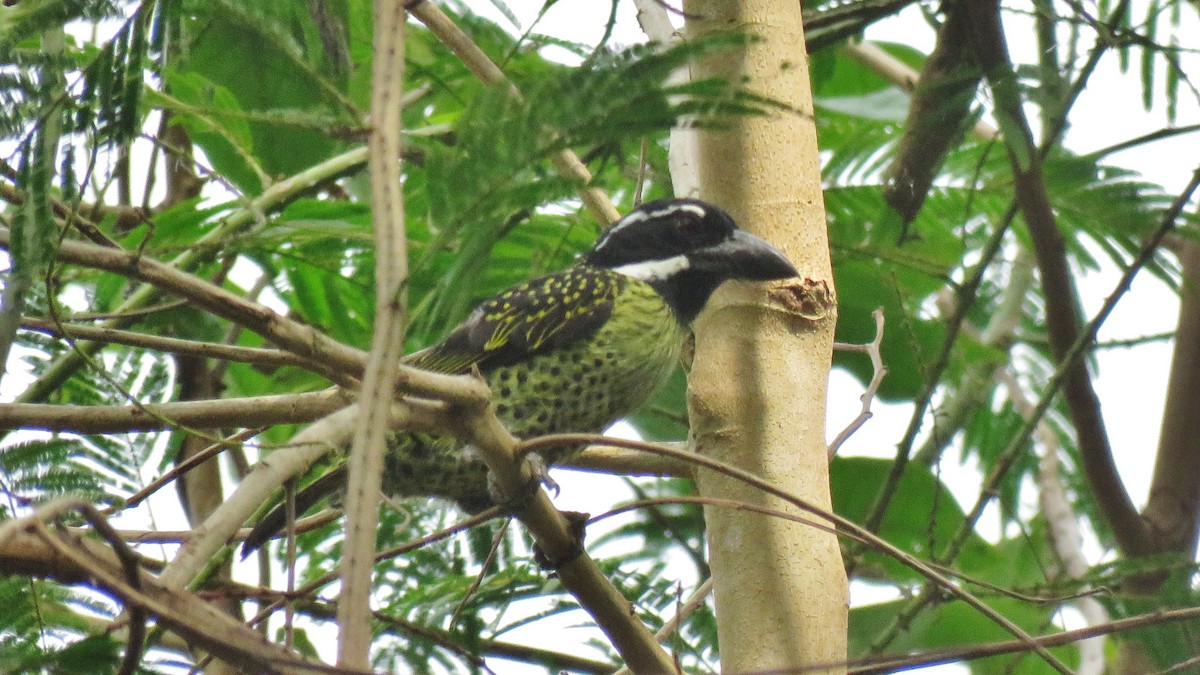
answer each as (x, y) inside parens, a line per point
(541, 477)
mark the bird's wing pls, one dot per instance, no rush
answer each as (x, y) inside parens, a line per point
(533, 317)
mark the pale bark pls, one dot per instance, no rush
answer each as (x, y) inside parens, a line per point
(365, 465)
(757, 388)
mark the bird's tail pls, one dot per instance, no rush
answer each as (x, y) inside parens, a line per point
(276, 519)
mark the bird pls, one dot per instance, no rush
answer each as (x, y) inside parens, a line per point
(574, 351)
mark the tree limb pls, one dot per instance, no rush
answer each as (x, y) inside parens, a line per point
(1062, 311)
(565, 161)
(1173, 508)
(233, 412)
(365, 466)
(28, 547)
(309, 343)
(254, 355)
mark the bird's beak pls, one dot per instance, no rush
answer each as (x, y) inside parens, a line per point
(744, 256)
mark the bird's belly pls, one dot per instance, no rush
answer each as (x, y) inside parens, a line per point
(587, 387)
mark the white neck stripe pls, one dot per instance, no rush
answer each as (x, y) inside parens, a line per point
(655, 270)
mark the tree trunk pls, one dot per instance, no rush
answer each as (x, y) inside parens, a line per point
(762, 358)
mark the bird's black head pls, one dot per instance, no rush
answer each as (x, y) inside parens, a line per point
(685, 249)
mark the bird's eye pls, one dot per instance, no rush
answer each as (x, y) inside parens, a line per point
(690, 228)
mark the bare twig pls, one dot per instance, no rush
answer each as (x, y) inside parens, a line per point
(969, 290)
(843, 525)
(693, 602)
(890, 663)
(320, 582)
(565, 161)
(558, 544)
(1062, 524)
(1006, 457)
(233, 412)
(387, 345)
(255, 355)
(63, 367)
(328, 434)
(187, 465)
(878, 370)
(28, 547)
(291, 335)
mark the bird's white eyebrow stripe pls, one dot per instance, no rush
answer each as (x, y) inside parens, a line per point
(639, 216)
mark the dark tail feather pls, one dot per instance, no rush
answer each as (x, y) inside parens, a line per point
(275, 520)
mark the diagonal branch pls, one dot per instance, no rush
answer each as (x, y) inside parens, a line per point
(1062, 312)
(331, 432)
(844, 526)
(66, 365)
(289, 334)
(255, 355)
(566, 162)
(29, 547)
(559, 543)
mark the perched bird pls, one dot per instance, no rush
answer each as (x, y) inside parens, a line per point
(573, 351)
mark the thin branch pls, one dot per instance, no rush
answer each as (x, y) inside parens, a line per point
(330, 433)
(565, 161)
(1062, 525)
(312, 587)
(968, 291)
(890, 663)
(843, 525)
(878, 370)
(1152, 137)
(365, 465)
(686, 609)
(187, 465)
(28, 547)
(202, 250)
(233, 412)
(558, 543)
(966, 295)
(302, 525)
(625, 462)
(1062, 310)
(253, 355)
(1006, 457)
(289, 334)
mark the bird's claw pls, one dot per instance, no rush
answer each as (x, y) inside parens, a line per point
(541, 477)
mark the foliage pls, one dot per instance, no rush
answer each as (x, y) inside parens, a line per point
(267, 91)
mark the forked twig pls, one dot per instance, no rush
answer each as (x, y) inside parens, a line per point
(879, 371)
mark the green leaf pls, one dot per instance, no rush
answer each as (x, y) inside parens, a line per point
(954, 624)
(212, 117)
(922, 516)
